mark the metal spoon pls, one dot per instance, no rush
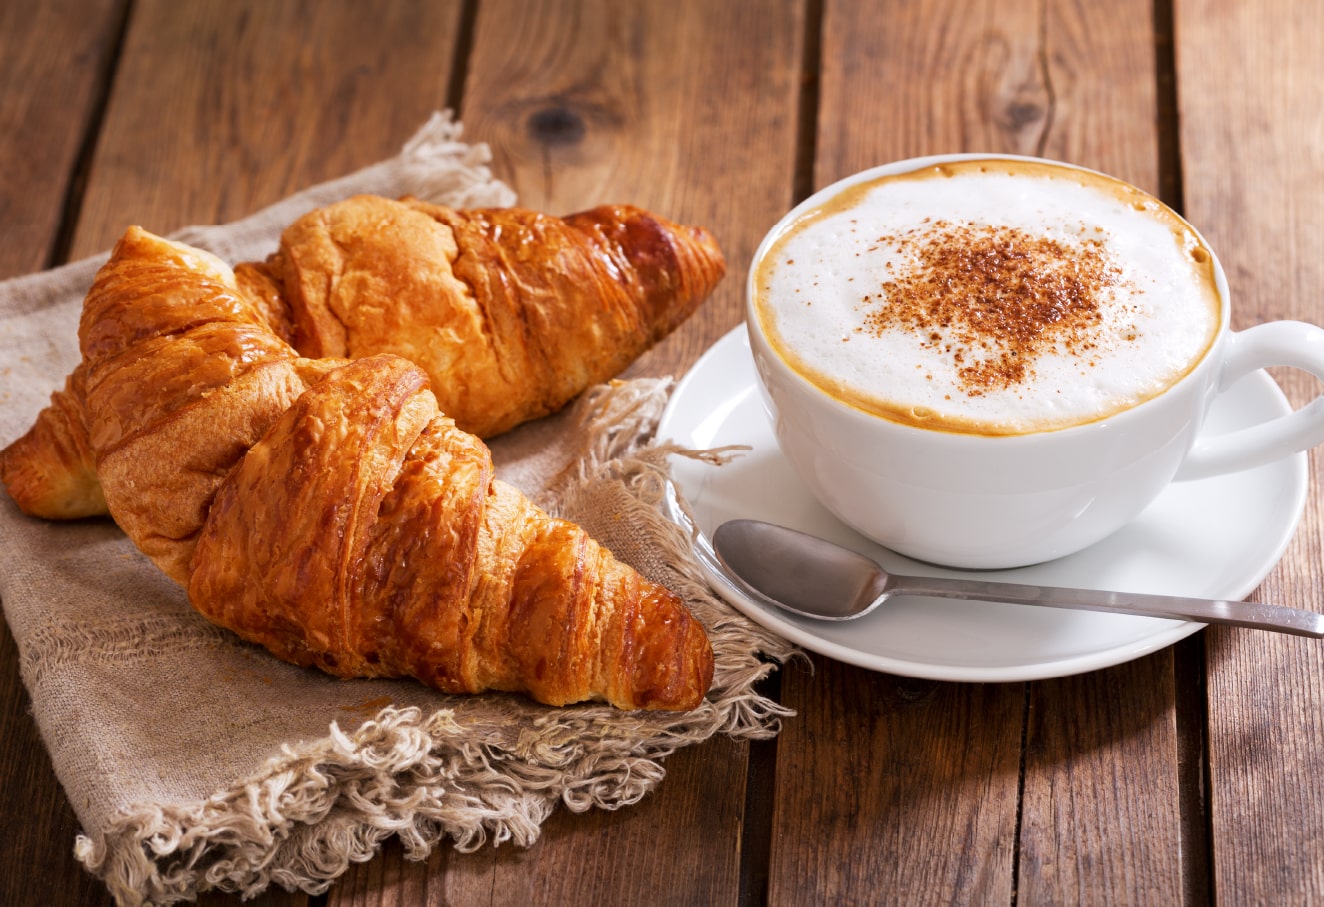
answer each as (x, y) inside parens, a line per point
(813, 577)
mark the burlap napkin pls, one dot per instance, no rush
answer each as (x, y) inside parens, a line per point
(195, 761)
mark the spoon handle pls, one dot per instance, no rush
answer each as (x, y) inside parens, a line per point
(1239, 614)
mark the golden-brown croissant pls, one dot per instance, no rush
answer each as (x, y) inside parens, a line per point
(511, 313)
(326, 509)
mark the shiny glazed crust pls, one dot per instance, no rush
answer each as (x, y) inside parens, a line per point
(326, 508)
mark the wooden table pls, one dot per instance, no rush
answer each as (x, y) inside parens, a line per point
(1190, 775)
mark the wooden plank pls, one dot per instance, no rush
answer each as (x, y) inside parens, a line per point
(1073, 82)
(1101, 818)
(52, 55)
(688, 109)
(891, 790)
(1251, 133)
(1069, 81)
(52, 59)
(222, 108)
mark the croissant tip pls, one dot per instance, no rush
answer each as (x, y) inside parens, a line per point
(679, 682)
(66, 493)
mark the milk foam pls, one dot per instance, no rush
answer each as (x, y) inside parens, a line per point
(990, 296)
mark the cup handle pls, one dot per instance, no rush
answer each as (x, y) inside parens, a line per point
(1288, 343)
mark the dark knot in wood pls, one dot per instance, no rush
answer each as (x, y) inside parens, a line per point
(557, 126)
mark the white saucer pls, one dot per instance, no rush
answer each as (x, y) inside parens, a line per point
(1213, 538)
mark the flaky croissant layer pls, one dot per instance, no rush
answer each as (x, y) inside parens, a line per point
(324, 507)
(365, 534)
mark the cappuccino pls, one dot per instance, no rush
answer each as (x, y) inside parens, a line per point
(994, 297)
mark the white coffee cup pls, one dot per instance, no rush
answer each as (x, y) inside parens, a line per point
(985, 501)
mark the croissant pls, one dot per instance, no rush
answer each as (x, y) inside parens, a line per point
(326, 509)
(511, 313)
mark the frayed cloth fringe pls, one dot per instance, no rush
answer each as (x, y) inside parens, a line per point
(314, 809)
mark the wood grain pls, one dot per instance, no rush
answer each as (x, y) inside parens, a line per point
(54, 58)
(221, 108)
(1252, 135)
(1069, 81)
(874, 768)
(1101, 819)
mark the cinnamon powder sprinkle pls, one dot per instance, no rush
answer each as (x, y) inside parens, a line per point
(994, 298)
